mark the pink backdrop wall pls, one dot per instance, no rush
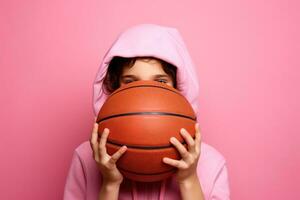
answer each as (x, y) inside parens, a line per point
(247, 53)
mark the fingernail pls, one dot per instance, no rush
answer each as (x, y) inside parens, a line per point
(182, 130)
(172, 139)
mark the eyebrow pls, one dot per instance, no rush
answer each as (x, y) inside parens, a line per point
(155, 76)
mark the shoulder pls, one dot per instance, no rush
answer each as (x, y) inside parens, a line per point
(84, 153)
(84, 175)
(210, 155)
(210, 165)
(84, 149)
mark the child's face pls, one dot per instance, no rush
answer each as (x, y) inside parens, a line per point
(145, 70)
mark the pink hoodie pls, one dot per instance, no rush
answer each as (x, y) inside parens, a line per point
(84, 178)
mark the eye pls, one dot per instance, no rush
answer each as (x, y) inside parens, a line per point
(162, 80)
(127, 81)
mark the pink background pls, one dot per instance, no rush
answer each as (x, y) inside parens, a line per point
(247, 53)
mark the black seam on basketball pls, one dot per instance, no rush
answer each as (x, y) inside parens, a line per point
(150, 174)
(146, 86)
(147, 113)
(142, 147)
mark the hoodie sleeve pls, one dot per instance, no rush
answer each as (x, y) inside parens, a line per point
(220, 190)
(75, 186)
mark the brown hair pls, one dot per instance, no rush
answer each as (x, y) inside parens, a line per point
(117, 64)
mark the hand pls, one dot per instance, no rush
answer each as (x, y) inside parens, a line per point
(105, 162)
(187, 166)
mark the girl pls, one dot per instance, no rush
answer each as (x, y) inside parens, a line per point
(158, 53)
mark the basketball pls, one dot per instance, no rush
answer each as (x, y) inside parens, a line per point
(144, 115)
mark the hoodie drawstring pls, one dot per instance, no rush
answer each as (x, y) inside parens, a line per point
(161, 192)
(134, 192)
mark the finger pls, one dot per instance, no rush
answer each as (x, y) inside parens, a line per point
(182, 150)
(102, 143)
(189, 140)
(94, 140)
(114, 158)
(198, 133)
(197, 136)
(94, 136)
(175, 163)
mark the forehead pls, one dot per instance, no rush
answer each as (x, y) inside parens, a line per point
(144, 66)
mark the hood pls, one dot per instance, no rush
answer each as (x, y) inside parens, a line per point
(157, 41)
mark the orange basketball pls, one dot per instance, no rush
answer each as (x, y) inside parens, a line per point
(144, 115)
